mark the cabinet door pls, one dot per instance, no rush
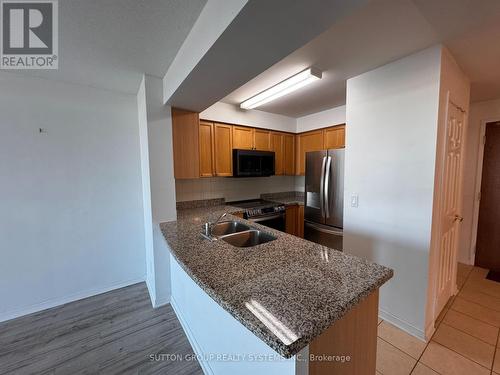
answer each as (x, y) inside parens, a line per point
(300, 221)
(223, 150)
(288, 154)
(334, 137)
(206, 149)
(311, 141)
(277, 147)
(242, 138)
(291, 220)
(185, 144)
(261, 140)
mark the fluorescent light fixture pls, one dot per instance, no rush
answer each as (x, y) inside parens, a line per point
(287, 86)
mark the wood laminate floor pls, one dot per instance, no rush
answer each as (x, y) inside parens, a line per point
(112, 333)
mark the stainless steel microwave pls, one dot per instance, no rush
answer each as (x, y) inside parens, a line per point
(252, 163)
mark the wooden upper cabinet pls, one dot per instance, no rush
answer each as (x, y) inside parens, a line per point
(277, 145)
(310, 141)
(246, 138)
(185, 133)
(261, 140)
(206, 139)
(334, 137)
(288, 154)
(223, 149)
(243, 138)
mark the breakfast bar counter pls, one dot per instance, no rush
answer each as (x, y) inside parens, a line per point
(288, 292)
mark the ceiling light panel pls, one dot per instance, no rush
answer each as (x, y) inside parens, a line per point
(287, 86)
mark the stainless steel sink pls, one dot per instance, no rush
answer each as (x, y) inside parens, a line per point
(228, 227)
(248, 238)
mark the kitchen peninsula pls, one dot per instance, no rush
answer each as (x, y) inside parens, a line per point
(272, 308)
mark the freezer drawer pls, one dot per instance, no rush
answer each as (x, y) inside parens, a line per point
(324, 235)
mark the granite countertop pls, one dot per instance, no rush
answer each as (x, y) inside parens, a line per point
(286, 198)
(301, 287)
(289, 201)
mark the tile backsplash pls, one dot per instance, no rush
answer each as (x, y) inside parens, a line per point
(235, 188)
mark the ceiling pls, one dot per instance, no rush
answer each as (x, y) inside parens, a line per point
(111, 43)
(378, 33)
(261, 35)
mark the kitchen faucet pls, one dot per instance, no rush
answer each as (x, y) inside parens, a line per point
(209, 226)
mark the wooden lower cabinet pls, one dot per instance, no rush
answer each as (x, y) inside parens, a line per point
(294, 221)
(291, 220)
(223, 150)
(355, 335)
(300, 221)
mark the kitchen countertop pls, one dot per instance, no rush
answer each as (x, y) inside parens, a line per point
(301, 287)
(289, 201)
(286, 198)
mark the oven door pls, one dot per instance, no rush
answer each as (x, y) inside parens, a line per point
(275, 221)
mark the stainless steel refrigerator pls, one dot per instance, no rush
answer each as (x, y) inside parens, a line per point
(324, 198)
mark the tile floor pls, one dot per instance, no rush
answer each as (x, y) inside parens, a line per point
(466, 337)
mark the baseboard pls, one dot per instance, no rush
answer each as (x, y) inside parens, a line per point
(429, 330)
(205, 366)
(402, 324)
(161, 302)
(152, 296)
(50, 303)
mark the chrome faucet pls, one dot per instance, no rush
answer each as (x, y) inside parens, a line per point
(208, 226)
(219, 219)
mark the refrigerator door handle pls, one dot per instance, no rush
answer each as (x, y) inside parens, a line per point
(327, 186)
(322, 188)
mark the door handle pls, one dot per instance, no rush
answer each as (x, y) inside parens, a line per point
(322, 188)
(327, 186)
(458, 218)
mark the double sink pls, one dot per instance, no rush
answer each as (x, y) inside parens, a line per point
(236, 234)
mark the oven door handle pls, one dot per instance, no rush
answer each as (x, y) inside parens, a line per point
(256, 220)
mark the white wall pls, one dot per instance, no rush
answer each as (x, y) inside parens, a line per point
(232, 188)
(329, 117)
(479, 113)
(72, 222)
(392, 116)
(160, 153)
(146, 188)
(162, 186)
(229, 113)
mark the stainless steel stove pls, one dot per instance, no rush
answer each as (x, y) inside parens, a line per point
(270, 214)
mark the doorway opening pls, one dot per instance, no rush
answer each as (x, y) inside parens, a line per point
(488, 233)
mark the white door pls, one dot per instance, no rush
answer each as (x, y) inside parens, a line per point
(450, 206)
